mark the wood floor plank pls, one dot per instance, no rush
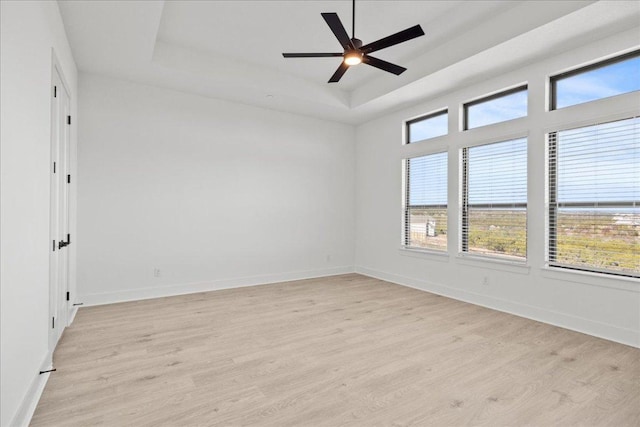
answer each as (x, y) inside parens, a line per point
(339, 351)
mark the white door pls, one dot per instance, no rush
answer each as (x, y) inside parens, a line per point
(60, 182)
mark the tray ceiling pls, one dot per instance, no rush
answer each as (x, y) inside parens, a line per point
(231, 50)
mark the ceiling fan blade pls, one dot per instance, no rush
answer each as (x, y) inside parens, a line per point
(339, 73)
(338, 30)
(402, 36)
(311, 55)
(383, 65)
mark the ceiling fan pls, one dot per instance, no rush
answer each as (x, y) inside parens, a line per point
(354, 51)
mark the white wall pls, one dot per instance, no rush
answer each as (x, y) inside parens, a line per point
(29, 30)
(214, 194)
(217, 194)
(594, 304)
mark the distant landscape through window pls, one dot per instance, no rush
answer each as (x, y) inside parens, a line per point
(594, 183)
(426, 205)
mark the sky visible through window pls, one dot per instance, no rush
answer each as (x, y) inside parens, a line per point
(428, 180)
(615, 79)
(497, 110)
(609, 160)
(430, 127)
(600, 163)
(595, 164)
(498, 173)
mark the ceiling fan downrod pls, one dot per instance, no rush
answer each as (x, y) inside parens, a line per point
(353, 19)
(357, 43)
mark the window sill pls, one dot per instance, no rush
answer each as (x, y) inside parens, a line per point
(424, 254)
(494, 263)
(592, 278)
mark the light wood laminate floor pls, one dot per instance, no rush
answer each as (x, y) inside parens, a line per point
(345, 350)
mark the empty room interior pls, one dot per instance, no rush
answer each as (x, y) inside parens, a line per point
(320, 213)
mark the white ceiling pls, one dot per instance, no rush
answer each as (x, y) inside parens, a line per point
(232, 49)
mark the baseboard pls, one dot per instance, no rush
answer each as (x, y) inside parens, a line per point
(30, 401)
(25, 411)
(190, 288)
(601, 330)
(72, 315)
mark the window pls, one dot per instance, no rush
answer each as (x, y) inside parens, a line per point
(602, 80)
(429, 126)
(594, 198)
(497, 108)
(425, 213)
(494, 199)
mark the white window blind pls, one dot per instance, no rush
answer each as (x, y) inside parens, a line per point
(494, 199)
(425, 214)
(594, 198)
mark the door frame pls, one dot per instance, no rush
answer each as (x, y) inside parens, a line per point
(58, 306)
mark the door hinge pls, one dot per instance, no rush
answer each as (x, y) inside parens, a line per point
(67, 296)
(68, 120)
(68, 179)
(54, 246)
(54, 167)
(55, 91)
(53, 323)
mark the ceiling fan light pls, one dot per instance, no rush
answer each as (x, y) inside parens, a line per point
(353, 58)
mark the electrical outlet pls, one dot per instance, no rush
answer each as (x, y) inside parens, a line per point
(485, 281)
(156, 272)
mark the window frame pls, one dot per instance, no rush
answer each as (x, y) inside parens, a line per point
(553, 206)
(408, 123)
(406, 204)
(553, 80)
(500, 94)
(463, 247)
